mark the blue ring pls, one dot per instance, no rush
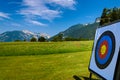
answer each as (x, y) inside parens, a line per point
(108, 39)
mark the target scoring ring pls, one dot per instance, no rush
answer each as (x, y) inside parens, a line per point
(104, 49)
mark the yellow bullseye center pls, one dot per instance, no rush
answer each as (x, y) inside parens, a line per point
(103, 49)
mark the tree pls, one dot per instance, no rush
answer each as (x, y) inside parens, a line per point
(24, 40)
(71, 39)
(17, 40)
(41, 39)
(119, 12)
(115, 15)
(33, 39)
(105, 16)
(58, 37)
(110, 15)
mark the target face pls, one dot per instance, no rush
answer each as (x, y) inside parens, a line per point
(105, 57)
(104, 49)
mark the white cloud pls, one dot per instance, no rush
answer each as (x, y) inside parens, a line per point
(37, 23)
(4, 15)
(38, 8)
(64, 3)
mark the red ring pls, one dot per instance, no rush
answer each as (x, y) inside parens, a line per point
(102, 56)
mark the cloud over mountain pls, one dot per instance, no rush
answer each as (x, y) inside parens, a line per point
(39, 8)
(37, 23)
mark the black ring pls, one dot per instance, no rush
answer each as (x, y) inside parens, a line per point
(112, 37)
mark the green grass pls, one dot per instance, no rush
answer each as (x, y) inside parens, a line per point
(45, 48)
(55, 66)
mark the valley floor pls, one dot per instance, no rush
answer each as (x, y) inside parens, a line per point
(58, 66)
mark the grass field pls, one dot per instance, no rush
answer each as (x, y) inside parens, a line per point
(45, 48)
(45, 61)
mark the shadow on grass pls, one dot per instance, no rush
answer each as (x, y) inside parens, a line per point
(82, 78)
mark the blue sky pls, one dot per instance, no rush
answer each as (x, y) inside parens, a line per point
(50, 16)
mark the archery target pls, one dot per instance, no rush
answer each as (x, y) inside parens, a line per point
(104, 58)
(104, 50)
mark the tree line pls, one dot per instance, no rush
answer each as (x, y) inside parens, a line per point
(109, 15)
(33, 39)
(40, 39)
(60, 37)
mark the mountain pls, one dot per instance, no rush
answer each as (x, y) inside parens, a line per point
(79, 31)
(20, 35)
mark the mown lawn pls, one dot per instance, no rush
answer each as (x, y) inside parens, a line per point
(54, 66)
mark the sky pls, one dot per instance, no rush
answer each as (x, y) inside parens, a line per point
(50, 16)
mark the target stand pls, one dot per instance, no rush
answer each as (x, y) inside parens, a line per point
(105, 58)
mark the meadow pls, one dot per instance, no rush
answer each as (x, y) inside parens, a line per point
(45, 60)
(42, 48)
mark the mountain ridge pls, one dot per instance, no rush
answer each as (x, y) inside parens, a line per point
(79, 31)
(10, 36)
